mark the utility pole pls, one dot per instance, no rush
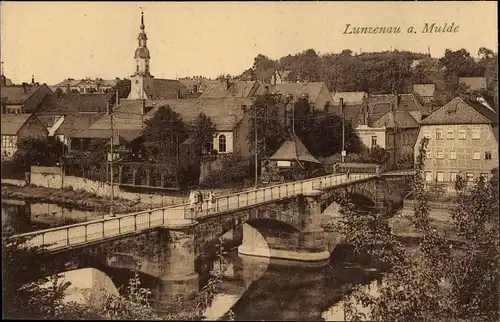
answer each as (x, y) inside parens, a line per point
(255, 146)
(110, 112)
(343, 153)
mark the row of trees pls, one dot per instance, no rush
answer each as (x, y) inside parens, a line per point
(437, 281)
(381, 72)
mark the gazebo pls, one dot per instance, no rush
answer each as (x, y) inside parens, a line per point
(292, 160)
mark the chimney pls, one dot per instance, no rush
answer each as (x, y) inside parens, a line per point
(178, 94)
(227, 84)
(25, 85)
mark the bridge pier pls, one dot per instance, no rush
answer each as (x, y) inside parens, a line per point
(307, 245)
(177, 272)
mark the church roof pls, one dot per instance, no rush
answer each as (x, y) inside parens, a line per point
(293, 150)
(165, 89)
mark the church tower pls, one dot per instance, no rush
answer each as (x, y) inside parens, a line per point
(141, 80)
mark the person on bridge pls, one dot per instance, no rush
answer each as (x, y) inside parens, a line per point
(192, 201)
(211, 201)
(348, 173)
(199, 200)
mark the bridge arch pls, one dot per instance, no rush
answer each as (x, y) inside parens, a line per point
(267, 223)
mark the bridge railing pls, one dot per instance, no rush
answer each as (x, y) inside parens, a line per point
(114, 226)
(89, 231)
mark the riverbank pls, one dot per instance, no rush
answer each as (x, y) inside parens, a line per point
(77, 199)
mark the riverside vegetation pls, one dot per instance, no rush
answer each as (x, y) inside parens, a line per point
(36, 300)
(437, 281)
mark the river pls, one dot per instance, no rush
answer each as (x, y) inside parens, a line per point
(254, 288)
(22, 217)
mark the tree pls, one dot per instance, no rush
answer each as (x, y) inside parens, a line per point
(32, 299)
(265, 118)
(322, 132)
(203, 133)
(435, 281)
(485, 53)
(38, 151)
(162, 134)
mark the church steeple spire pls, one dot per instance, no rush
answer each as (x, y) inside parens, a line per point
(142, 80)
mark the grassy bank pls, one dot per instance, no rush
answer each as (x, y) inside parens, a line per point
(75, 199)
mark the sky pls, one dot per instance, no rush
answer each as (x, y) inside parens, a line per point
(57, 40)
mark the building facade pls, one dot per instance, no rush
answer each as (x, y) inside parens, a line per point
(463, 140)
(15, 127)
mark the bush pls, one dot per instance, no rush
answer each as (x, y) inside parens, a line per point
(234, 169)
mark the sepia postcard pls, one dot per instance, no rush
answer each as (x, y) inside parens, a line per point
(266, 160)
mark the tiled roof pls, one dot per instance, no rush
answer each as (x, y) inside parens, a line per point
(12, 123)
(69, 81)
(379, 105)
(350, 98)
(86, 81)
(119, 136)
(297, 89)
(293, 150)
(76, 123)
(127, 116)
(460, 111)
(475, 83)
(237, 89)
(425, 90)
(18, 94)
(165, 89)
(225, 113)
(396, 119)
(351, 113)
(70, 104)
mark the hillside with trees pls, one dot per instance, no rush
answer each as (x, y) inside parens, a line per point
(381, 72)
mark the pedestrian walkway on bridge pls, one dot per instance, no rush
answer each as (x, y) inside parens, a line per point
(180, 215)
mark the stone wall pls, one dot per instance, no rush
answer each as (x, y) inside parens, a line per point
(52, 177)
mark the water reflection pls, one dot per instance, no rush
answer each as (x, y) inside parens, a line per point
(22, 216)
(263, 289)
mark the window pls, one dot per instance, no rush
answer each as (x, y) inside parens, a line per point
(461, 135)
(147, 67)
(428, 154)
(470, 177)
(440, 176)
(427, 134)
(439, 135)
(453, 155)
(450, 135)
(487, 155)
(374, 141)
(428, 176)
(137, 68)
(453, 176)
(222, 143)
(476, 155)
(475, 134)
(439, 155)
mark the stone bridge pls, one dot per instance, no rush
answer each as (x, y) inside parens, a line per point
(286, 222)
